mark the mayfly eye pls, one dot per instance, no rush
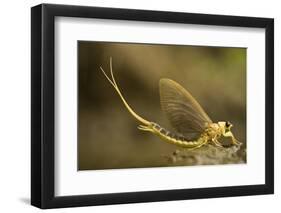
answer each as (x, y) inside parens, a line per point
(228, 124)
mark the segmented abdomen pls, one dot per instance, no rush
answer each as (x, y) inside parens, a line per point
(167, 133)
(175, 138)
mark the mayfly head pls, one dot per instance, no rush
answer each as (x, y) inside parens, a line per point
(228, 126)
(227, 132)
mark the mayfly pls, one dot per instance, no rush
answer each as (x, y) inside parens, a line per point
(193, 126)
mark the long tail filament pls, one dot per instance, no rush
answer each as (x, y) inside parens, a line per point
(115, 86)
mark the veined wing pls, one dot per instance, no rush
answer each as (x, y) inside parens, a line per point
(183, 111)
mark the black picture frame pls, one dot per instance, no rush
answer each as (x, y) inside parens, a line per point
(43, 111)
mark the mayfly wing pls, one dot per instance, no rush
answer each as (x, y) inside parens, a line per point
(183, 111)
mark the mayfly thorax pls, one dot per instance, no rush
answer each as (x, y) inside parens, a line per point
(193, 126)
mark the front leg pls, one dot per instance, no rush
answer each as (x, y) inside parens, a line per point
(234, 141)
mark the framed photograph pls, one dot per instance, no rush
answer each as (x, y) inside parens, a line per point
(140, 106)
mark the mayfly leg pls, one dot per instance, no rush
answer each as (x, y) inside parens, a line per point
(234, 140)
(217, 143)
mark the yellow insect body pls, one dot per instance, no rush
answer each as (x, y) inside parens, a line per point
(194, 127)
(172, 138)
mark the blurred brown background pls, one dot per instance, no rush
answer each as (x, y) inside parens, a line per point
(107, 134)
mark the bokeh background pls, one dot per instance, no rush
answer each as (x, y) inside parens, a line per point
(108, 137)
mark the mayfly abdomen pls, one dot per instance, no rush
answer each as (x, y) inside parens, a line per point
(165, 133)
(176, 139)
